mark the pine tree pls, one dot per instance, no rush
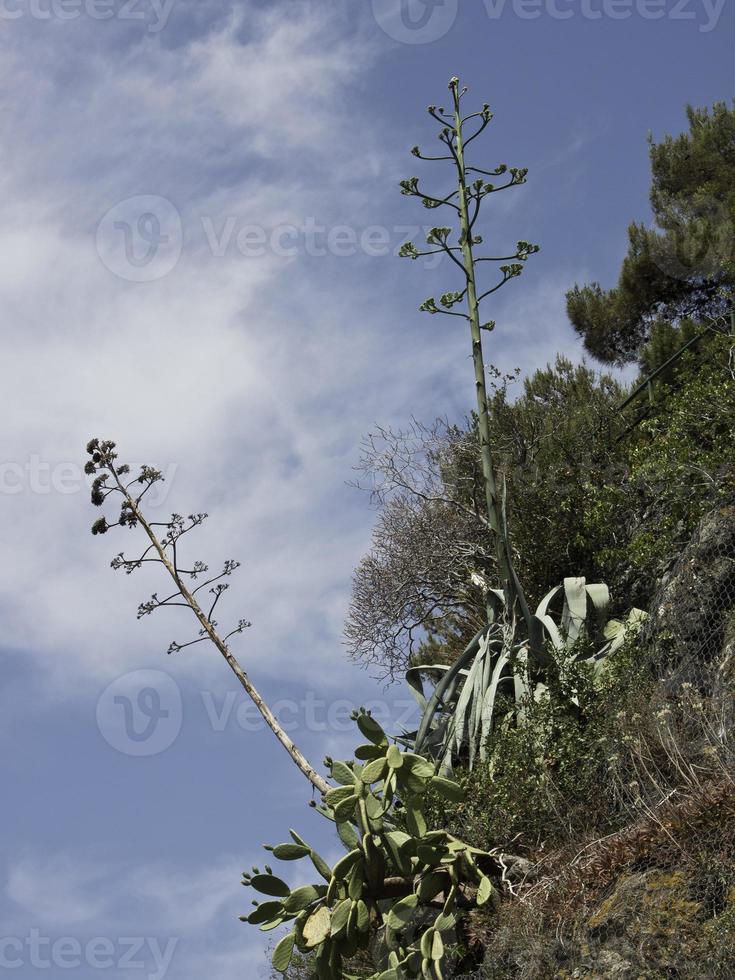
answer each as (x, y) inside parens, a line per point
(685, 267)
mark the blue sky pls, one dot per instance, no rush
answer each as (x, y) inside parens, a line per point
(246, 356)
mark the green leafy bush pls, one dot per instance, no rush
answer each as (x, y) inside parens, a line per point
(563, 770)
(679, 464)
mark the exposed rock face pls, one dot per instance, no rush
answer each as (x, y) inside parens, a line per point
(692, 616)
(652, 925)
(648, 925)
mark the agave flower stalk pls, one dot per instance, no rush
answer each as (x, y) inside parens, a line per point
(508, 660)
(109, 482)
(473, 307)
(466, 201)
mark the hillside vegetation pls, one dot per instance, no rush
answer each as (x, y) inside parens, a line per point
(618, 786)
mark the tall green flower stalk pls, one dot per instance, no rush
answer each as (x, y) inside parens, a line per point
(508, 662)
(466, 201)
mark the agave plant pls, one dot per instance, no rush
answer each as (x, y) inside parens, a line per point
(501, 670)
(398, 881)
(506, 663)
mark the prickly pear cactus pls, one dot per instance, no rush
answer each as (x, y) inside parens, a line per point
(399, 890)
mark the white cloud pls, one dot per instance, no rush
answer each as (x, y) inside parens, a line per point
(193, 369)
(59, 892)
(251, 379)
(192, 910)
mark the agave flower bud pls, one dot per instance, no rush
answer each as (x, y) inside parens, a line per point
(100, 526)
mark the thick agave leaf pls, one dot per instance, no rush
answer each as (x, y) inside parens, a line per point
(472, 683)
(453, 717)
(574, 613)
(462, 710)
(414, 679)
(488, 702)
(599, 595)
(617, 632)
(548, 627)
(482, 674)
(441, 691)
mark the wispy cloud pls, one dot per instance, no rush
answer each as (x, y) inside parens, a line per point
(182, 917)
(59, 892)
(198, 368)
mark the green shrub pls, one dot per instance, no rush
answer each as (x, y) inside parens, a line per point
(551, 776)
(680, 463)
